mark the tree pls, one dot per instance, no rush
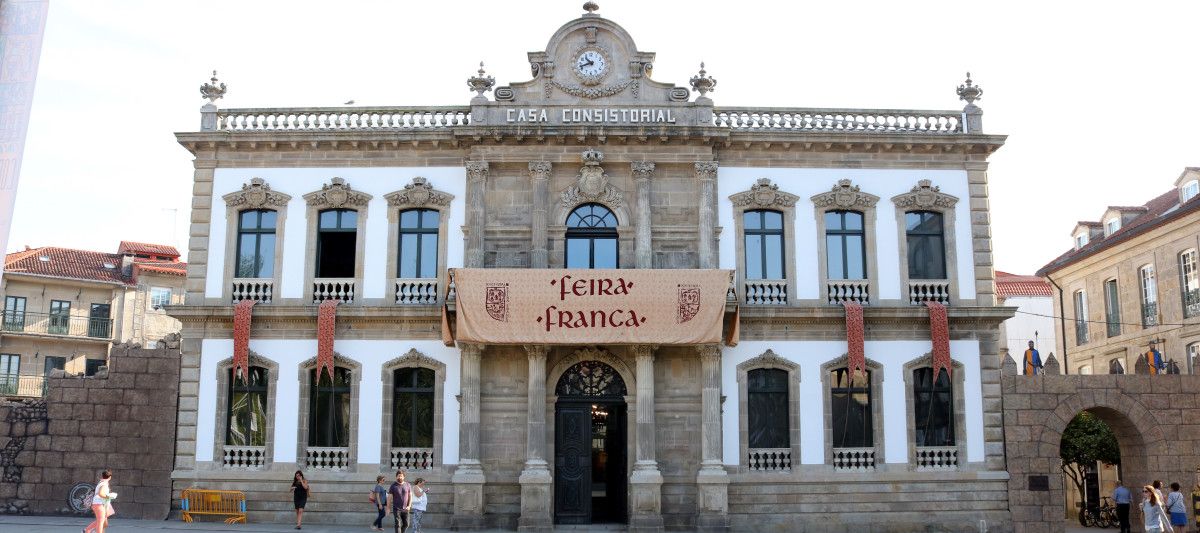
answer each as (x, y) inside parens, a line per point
(1086, 441)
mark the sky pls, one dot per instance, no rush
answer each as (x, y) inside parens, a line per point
(1098, 99)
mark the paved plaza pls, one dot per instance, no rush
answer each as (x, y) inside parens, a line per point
(44, 524)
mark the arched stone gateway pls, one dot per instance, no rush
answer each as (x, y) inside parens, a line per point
(1154, 418)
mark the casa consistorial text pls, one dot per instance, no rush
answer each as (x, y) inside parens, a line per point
(584, 115)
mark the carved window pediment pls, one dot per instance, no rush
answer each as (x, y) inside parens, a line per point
(255, 195)
(414, 358)
(925, 196)
(419, 193)
(844, 195)
(337, 194)
(764, 194)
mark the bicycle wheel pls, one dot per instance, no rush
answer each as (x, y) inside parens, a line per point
(79, 498)
(1085, 517)
(1109, 516)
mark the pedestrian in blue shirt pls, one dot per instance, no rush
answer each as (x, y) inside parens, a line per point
(1123, 498)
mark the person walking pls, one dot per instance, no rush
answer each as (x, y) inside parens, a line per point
(1176, 509)
(420, 499)
(400, 501)
(1123, 498)
(300, 492)
(379, 495)
(1153, 516)
(102, 503)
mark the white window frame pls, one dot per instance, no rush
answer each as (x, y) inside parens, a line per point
(1111, 226)
(156, 301)
(1081, 240)
(1189, 278)
(1192, 351)
(1189, 190)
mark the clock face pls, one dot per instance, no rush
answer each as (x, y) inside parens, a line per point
(591, 64)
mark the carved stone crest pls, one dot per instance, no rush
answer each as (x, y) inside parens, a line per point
(925, 196)
(845, 196)
(592, 184)
(256, 194)
(420, 193)
(764, 194)
(337, 193)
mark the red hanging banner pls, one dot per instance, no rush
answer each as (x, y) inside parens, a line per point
(326, 320)
(855, 335)
(242, 313)
(939, 332)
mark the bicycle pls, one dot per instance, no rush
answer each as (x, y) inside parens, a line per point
(1104, 515)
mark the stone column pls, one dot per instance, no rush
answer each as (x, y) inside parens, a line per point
(468, 477)
(642, 170)
(539, 172)
(477, 174)
(645, 484)
(712, 480)
(535, 480)
(706, 174)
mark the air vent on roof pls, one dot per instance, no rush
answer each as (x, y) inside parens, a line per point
(44, 258)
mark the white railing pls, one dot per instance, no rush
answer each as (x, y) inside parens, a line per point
(333, 289)
(937, 457)
(342, 118)
(327, 458)
(257, 289)
(845, 120)
(920, 292)
(412, 458)
(247, 457)
(770, 459)
(848, 290)
(766, 292)
(854, 459)
(417, 291)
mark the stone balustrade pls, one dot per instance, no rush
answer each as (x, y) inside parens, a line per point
(260, 290)
(937, 457)
(766, 292)
(770, 459)
(342, 118)
(922, 291)
(854, 459)
(333, 289)
(411, 458)
(327, 458)
(416, 291)
(244, 457)
(839, 120)
(848, 290)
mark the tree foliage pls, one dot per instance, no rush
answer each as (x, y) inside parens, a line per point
(1086, 441)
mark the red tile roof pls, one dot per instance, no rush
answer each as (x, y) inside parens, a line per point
(1008, 285)
(130, 247)
(66, 263)
(160, 267)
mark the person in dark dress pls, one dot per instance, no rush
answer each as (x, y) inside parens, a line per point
(299, 495)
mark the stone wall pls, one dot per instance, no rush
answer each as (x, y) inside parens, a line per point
(123, 419)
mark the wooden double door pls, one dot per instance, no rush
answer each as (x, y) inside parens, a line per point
(590, 457)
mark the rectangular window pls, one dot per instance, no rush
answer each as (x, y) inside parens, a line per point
(1081, 325)
(1149, 296)
(851, 406)
(160, 297)
(926, 245)
(91, 366)
(1081, 240)
(99, 323)
(412, 408)
(1193, 352)
(1189, 282)
(1190, 190)
(14, 313)
(60, 317)
(255, 244)
(247, 422)
(845, 245)
(1112, 226)
(329, 409)
(767, 408)
(418, 251)
(337, 237)
(1112, 308)
(763, 244)
(10, 372)
(933, 408)
(55, 363)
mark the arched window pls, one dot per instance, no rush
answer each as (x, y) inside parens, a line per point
(1149, 296)
(1189, 283)
(850, 400)
(764, 244)
(418, 243)
(767, 408)
(926, 245)
(591, 237)
(933, 408)
(412, 408)
(256, 244)
(845, 245)
(329, 409)
(337, 233)
(246, 424)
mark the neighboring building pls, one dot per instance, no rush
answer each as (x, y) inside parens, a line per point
(65, 308)
(593, 165)
(1034, 320)
(1132, 279)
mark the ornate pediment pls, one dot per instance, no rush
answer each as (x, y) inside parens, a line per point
(845, 196)
(256, 194)
(414, 358)
(925, 196)
(337, 193)
(764, 194)
(592, 184)
(419, 193)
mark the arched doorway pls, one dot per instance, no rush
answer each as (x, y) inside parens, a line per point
(590, 455)
(1091, 457)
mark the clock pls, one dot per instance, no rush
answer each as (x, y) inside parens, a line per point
(591, 66)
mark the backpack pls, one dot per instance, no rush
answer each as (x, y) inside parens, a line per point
(371, 498)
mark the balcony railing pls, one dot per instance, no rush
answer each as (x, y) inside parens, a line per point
(52, 324)
(770, 459)
(766, 292)
(1112, 326)
(327, 458)
(923, 291)
(854, 459)
(1081, 333)
(838, 120)
(412, 458)
(260, 290)
(342, 118)
(24, 386)
(1191, 303)
(848, 290)
(245, 457)
(416, 291)
(1150, 314)
(937, 457)
(333, 289)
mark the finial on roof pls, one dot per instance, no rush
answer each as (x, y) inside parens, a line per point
(213, 90)
(591, 7)
(969, 92)
(702, 82)
(481, 83)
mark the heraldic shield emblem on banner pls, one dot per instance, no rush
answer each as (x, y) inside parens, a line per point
(496, 301)
(689, 302)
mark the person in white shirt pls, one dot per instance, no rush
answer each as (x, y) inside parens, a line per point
(1153, 516)
(1176, 509)
(419, 501)
(101, 504)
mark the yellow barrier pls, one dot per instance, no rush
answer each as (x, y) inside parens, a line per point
(231, 503)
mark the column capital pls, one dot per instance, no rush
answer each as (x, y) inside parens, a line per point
(540, 170)
(709, 351)
(642, 170)
(470, 348)
(537, 350)
(643, 350)
(477, 170)
(706, 170)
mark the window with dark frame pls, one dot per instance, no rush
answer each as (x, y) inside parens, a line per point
(767, 408)
(763, 246)
(91, 366)
(14, 313)
(591, 238)
(1081, 325)
(418, 246)
(337, 234)
(850, 401)
(845, 245)
(1112, 308)
(412, 408)
(329, 409)
(933, 408)
(925, 237)
(256, 244)
(246, 415)
(60, 317)
(10, 373)
(1149, 286)
(1189, 282)
(100, 321)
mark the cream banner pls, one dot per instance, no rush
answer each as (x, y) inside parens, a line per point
(554, 306)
